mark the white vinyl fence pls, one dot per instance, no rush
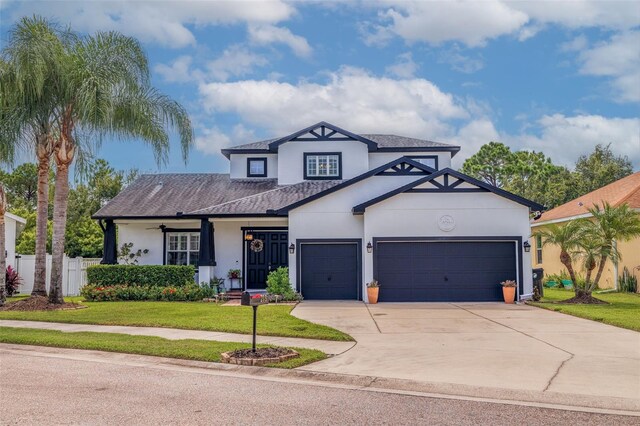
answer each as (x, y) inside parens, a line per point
(74, 273)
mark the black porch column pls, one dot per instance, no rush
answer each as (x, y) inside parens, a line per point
(207, 247)
(109, 247)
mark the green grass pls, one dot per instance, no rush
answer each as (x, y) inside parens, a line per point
(273, 320)
(623, 309)
(199, 350)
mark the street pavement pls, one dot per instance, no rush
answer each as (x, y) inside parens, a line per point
(57, 386)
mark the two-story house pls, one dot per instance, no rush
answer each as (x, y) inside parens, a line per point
(339, 209)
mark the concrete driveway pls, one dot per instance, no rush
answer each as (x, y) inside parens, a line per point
(485, 345)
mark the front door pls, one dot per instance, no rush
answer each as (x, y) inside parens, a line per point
(266, 257)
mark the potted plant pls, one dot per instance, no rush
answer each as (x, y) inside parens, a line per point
(508, 291)
(234, 278)
(372, 291)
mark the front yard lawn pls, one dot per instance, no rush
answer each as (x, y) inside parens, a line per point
(623, 309)
(199, 350)
(273, 320)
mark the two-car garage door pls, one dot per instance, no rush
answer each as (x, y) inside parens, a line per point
(409, 270)
(443, 271)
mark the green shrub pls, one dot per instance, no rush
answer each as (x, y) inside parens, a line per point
(278, 283)
(140, 275)
(627, 282)
(191, 292)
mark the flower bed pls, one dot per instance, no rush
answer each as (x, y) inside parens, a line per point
(193, 292)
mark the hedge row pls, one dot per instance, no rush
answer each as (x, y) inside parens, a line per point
(140, 275)
(191, 292)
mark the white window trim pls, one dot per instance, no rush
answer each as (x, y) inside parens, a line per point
(188, 250)
(316, 157)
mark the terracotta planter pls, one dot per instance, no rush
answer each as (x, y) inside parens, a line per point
(372, 294)
(509, 294)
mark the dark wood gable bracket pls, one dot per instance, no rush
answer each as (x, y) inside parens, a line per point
(320, 132)
(406, 168)
(451, 182)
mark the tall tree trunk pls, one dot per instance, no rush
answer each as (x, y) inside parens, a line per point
(3, 260)
(64, 154)
(44, 150)
(603, 261)
(565, 259)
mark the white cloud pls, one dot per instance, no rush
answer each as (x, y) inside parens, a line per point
(565, 138)
(472, 136)
(404, 67)
(618, 58)
(473, 23)
(211, 140)
(575, 45)
(178, 71)
(164, 22)
(234, 62)
(351, 98)
(269, 34)
(459, 62)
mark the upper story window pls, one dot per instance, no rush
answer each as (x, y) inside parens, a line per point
(257, 167)
(323, 165)
(427, 160)
(183, 248)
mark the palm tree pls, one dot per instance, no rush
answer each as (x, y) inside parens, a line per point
(107, 93)
(611, 225)
(567, 237)
(590, 249)
(29, 78)
(3, 259)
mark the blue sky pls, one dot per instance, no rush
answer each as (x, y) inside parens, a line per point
(556, 77)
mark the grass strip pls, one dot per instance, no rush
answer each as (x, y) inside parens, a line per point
(273, 320)
(623, 309)
(199, 350)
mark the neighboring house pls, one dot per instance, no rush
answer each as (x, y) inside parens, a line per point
(339, 209)
(13, 226)
(623, 191)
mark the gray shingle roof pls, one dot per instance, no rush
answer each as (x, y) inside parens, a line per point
(270, 200)
(383, 141)
(163, 195)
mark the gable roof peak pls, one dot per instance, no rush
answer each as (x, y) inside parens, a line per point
(323, 135)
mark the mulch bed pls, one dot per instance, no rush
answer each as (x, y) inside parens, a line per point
(584, 299)
(39, 303)
(261, 356)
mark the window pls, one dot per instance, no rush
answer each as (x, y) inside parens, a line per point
(427, 160)
(256, 167)
(323, 165)
(538, 249)
(183, 248)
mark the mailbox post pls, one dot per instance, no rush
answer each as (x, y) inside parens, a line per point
(254, 301)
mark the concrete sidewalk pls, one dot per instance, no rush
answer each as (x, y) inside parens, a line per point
(327, 346)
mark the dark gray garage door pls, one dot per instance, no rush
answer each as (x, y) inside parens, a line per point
(443, 271)
(329, 271)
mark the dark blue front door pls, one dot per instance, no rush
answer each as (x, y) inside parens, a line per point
(274, 254)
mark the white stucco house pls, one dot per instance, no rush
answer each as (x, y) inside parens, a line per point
(339, 209)
(13, 225)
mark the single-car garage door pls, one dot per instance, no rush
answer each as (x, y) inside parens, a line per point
(329, 271)
(443, 271)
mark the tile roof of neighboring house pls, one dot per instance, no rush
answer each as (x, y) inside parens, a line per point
(383, 141)
(625, 190)
(163, 195)
(270, 200)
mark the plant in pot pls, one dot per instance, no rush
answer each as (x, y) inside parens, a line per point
(372, 291)
(508, 291)
(234, 278)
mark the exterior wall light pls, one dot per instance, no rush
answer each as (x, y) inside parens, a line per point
(369, 247)
(292, 248)
(526, 246)
(248, 237)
